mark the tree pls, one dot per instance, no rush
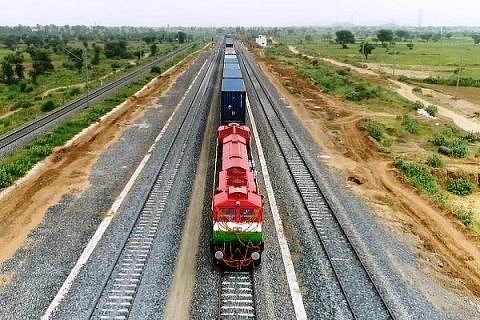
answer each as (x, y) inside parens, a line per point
(476, 38)
(116, 49)
(7, 73)
(76, 57)
(41, 62)
(403, 35)
(426, 36)
(181, 37)
(366, 49)
(96, 54)
(344, 37)
(153, 49)
(385, 36)
(437, 36)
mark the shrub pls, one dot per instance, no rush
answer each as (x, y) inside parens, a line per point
(48, 105)
(24, 104)
(5, 178)
(411, 125)
(417, 105)
(466, 216)
(460, 186)
(439, 140)
(459, 148)
(434, 161)
(417, 89)
(417, 176)
(74, 91)
(432, 110)
(156, 69)
(472, 137)
(374, 129)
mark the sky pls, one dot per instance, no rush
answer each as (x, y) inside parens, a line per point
(216, 13)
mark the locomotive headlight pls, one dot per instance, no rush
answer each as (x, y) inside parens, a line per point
(255, 256)
(219, 255)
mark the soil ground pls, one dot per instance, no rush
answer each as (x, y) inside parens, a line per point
(445, 247)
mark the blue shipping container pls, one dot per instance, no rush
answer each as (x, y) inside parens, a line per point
(233, 101)
(231, 58)
(231, 66)
(232, 74)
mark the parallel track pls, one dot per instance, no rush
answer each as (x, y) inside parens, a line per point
(7, 140)
(237, 295)
(125, 276)
(364, 299)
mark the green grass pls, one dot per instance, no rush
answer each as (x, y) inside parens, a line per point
(444, 56)
(98, 75)
(19, 163)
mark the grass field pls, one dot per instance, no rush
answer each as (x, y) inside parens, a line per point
(444, 56)
(27, 104)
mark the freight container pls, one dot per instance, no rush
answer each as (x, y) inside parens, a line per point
(233, 101)
(229, 51)
(231, 66)
(232, 74)
(229, 43)
(231, 58)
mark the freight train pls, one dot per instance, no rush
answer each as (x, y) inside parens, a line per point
(237, 205)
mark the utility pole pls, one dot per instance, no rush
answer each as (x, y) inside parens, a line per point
(84, 59)
(85, 65)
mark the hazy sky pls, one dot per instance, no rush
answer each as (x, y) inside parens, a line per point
(240, 12)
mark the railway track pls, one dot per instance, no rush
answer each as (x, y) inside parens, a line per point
(118, 291)
(364, 299)
(237, 295)
(27, 132)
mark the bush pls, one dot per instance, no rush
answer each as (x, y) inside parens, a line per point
(434, 161)
(460, 186)
(360, 92)
(466, 216)
(48, 105)
(156, 69)
(459, 148)
(374, 129)
(417, 89)
(417, 176)
(439, 140)
(411, 125)
(472, 137)
(417, 105)
(22, 104)
(432, 110)
(74, 91)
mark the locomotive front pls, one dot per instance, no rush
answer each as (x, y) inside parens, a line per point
(237, 210)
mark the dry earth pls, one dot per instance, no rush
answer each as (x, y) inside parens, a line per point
(25, 204)
(445, 247)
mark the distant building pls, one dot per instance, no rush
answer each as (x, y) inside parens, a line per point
(261, 40)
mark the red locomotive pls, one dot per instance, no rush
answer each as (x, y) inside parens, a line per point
(237, 210)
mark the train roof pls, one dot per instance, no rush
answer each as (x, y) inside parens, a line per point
(232, 74)
(231, 66)
(233, 85)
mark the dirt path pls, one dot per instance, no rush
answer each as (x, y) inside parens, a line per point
(406, 91)
(449, 250)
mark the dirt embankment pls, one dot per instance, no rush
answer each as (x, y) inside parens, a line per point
(453, 250)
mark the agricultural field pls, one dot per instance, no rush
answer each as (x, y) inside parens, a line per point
(437, 59)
